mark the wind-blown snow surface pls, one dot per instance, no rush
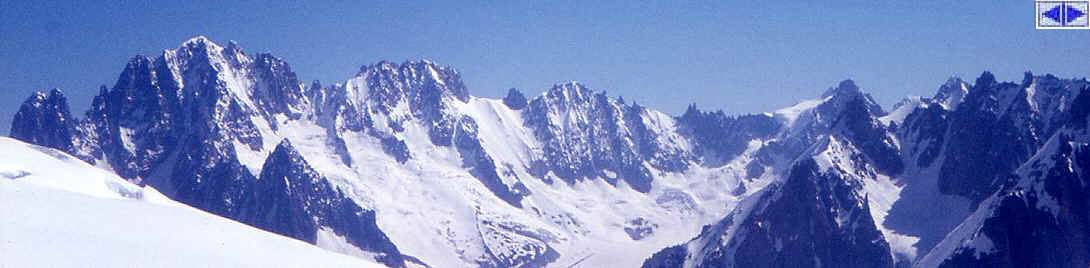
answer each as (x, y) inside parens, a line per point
(58, 211)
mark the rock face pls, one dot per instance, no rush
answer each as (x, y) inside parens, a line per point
(1042, 222)
(1002, 124)
(848, 113)
(789, 229)
(590, 135)
(819, 212)
(718, 138)
(1039, 220)
(1029, 191)
(383, 97)
(837, 229)
(44, 119)
(292, 199)
(182, 122)
(399, 159)
(514, 99)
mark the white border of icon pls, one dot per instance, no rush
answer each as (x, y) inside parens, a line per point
(1037, 15)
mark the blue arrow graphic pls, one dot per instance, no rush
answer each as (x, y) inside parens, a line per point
(1072, 14)
(1064, 14)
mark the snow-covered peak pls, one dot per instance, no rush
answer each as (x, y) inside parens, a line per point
(420, 82)
(202, 45)
(950, 94)
(198, 45)
(383, 65)
(833, 104)
(446, 78)
(847, 92)
(425, 65)
(424, 62)
(571, 105)
(902, 109)
(1048, 95)
(263, 84)
(198, 39)
(42, 98)
(844, 88)
(847, 112)
(571, 91)
(411, 68)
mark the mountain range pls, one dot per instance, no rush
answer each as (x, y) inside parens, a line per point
(401, 165)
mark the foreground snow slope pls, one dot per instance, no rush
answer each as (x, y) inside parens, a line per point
(58, 211)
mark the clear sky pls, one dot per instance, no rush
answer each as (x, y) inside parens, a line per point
(739, 56)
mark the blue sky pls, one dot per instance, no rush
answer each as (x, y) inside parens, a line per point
(739, 56)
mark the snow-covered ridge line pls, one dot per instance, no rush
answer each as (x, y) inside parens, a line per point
(411, 131)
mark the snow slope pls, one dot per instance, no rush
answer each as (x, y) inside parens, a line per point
(456, 220)
(61, 212)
